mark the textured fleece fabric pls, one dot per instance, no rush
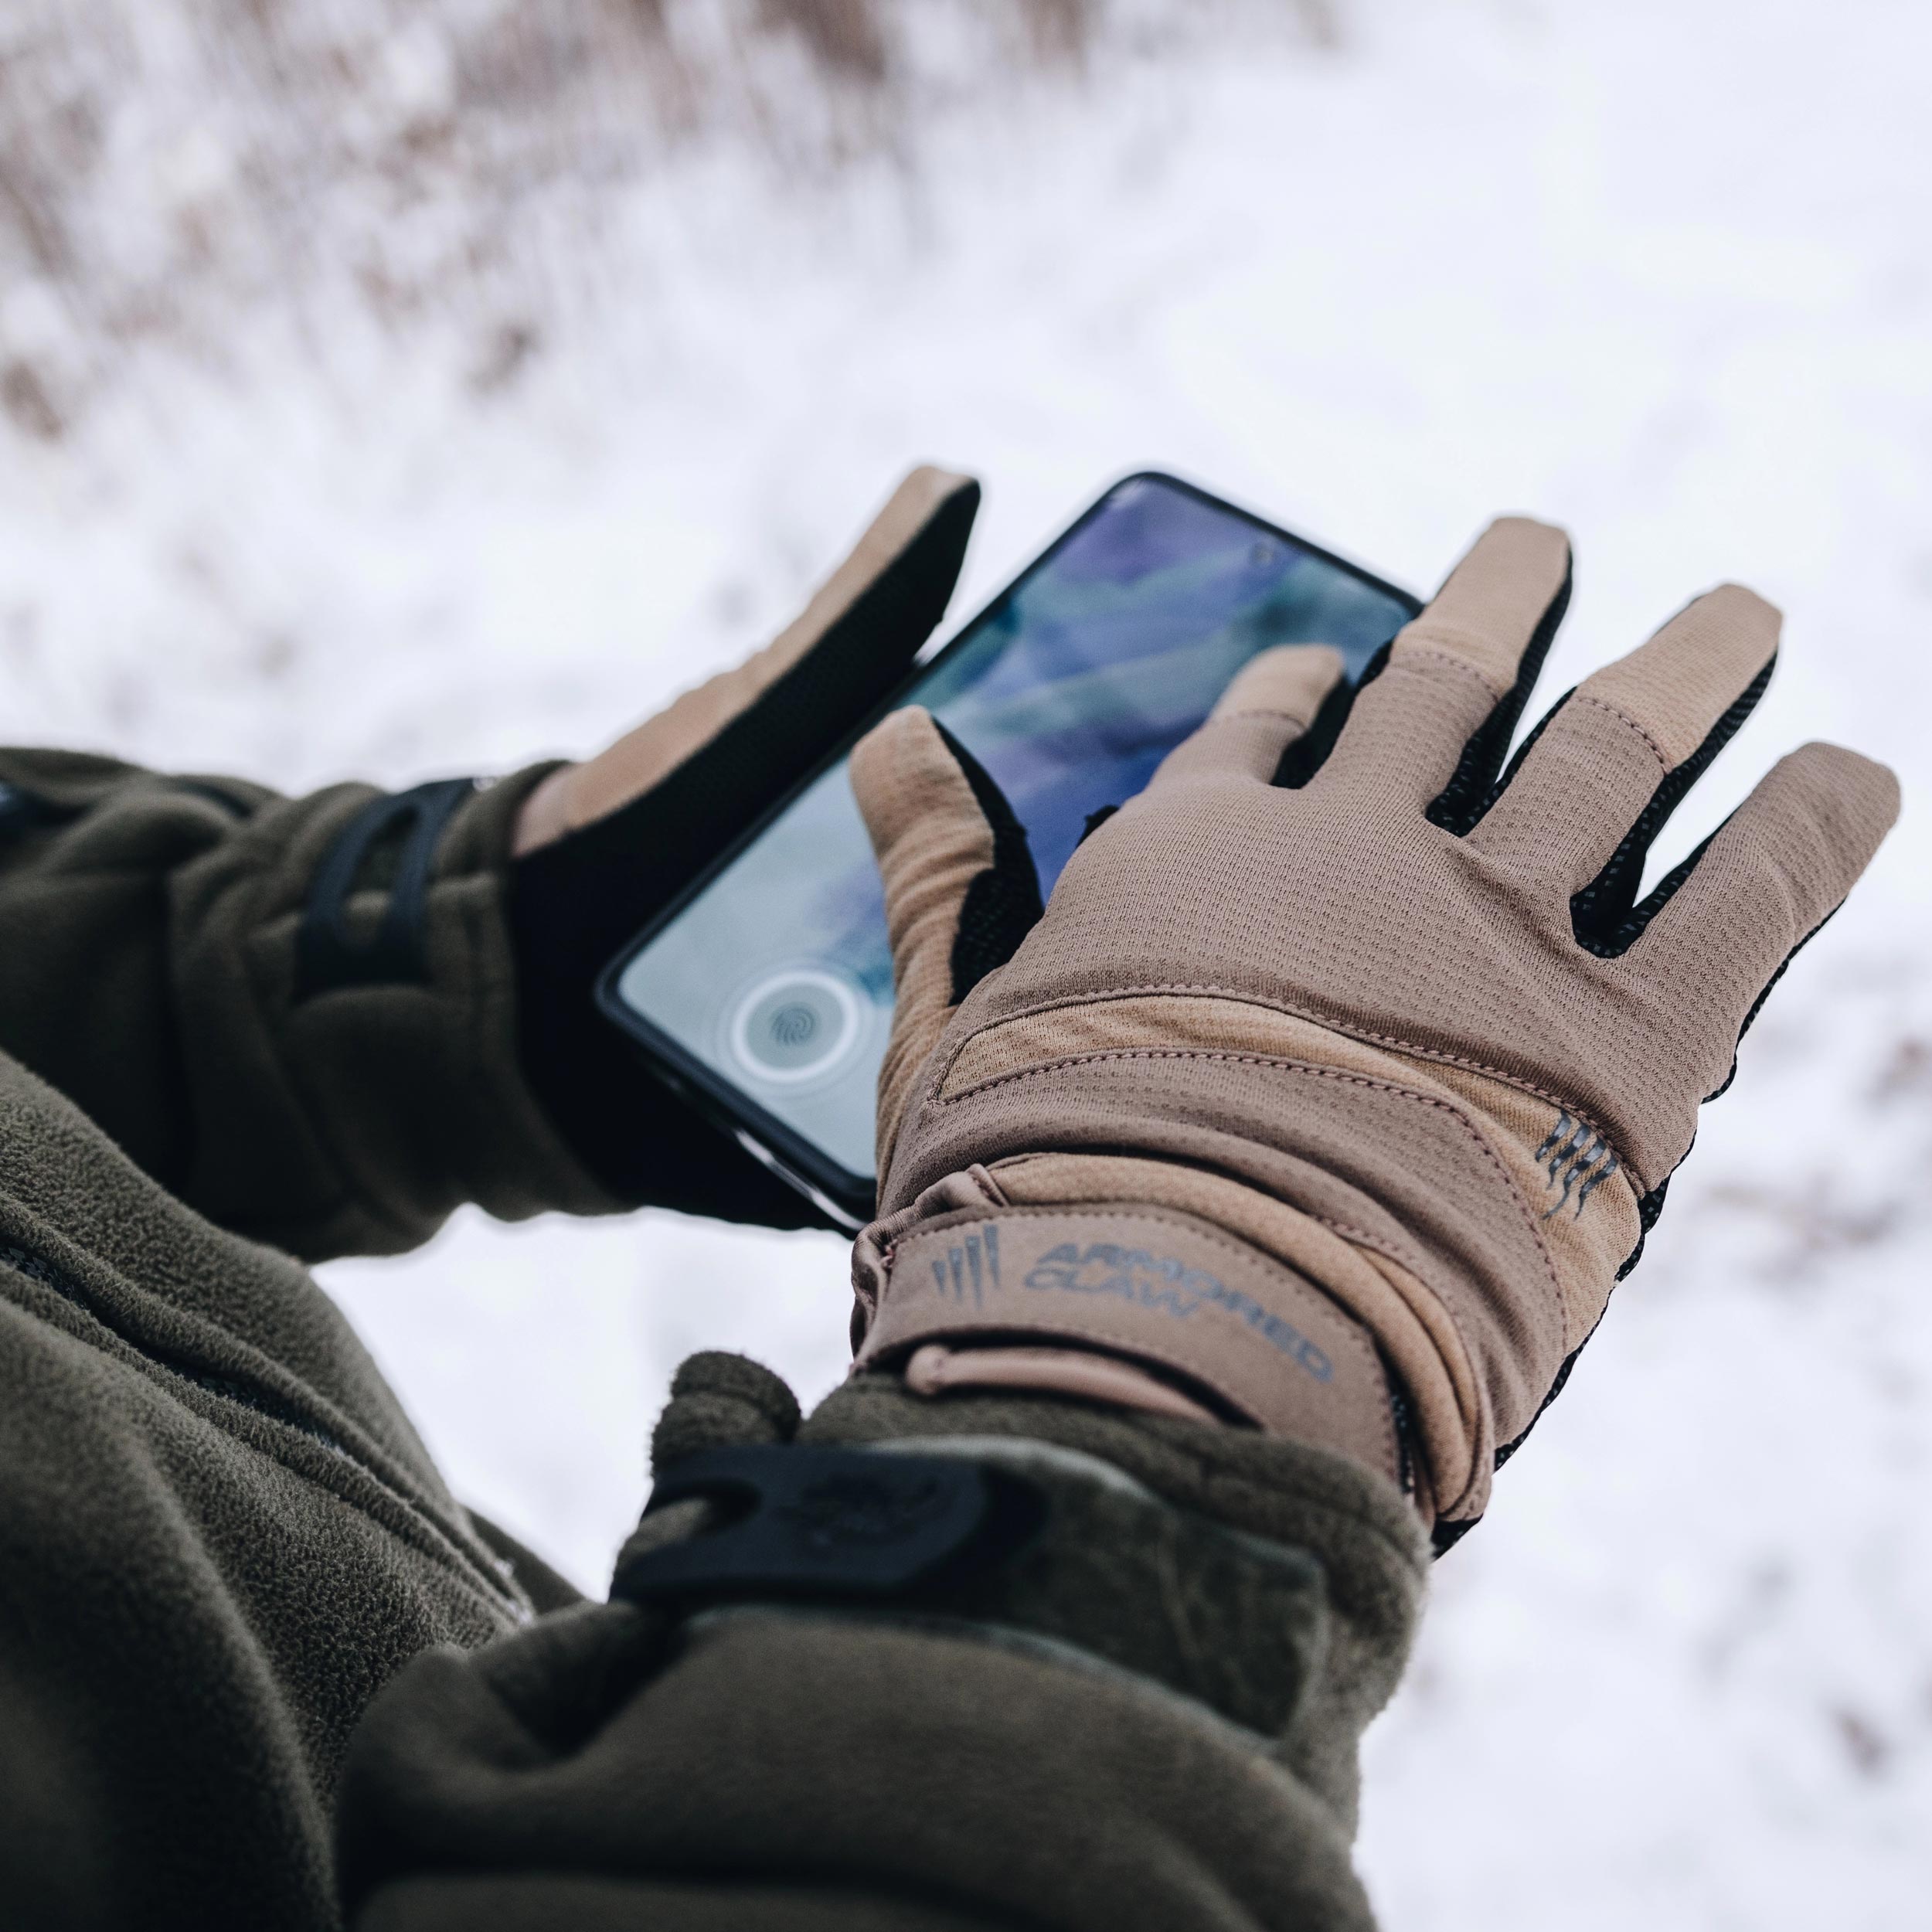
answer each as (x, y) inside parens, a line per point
(148, 970)
(953, 1767)
(219, 1534)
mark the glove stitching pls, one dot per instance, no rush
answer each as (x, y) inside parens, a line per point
(1623, 717)
(1348, 1028)
(1298, 1067)
(1410, 652)
(1425, 1270)
(1357, 1336)
(1260, 711)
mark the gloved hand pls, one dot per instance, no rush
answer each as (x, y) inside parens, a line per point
(1331, 1094)
(600, 848)
(326, 1021)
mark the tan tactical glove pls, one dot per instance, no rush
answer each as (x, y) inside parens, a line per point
(1331, 1094)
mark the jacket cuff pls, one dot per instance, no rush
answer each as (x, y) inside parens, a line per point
(348, 1017)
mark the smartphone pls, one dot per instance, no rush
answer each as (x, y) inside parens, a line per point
(765, 993)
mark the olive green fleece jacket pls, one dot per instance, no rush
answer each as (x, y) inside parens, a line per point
(258, 1668)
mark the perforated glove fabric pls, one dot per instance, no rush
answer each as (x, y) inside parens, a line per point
(1344, 1073)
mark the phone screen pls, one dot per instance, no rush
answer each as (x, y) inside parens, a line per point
(774, 982)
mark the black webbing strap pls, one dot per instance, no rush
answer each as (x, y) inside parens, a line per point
(328, 957)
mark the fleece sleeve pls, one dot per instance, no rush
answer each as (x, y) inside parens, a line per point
(299, 1014)
(1145, 1713)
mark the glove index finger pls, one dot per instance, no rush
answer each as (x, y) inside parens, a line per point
(1272, 700)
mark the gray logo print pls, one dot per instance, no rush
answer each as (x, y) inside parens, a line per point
(968, 1267)
(1166, 1285)
(1576, 1158)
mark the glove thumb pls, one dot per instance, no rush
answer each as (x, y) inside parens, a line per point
(962, 891)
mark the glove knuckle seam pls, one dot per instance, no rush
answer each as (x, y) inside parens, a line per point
(1260, 711)
(1350, 1029)
(1338, 1074)
(1410, 653)
(1616, 711)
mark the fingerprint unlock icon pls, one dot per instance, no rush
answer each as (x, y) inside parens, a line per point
(795, 1026)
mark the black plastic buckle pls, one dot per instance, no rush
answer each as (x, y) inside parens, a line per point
(831, 1523)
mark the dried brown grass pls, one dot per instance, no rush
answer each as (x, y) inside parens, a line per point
(164, 162)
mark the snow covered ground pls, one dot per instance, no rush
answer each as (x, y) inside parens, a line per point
(399, 427)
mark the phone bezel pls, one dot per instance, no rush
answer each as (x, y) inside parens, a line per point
(844, 1199)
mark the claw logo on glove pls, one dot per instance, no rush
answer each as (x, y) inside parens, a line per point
(1574, 1152)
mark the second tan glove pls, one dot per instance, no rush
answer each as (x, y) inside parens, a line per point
(1332, 1097)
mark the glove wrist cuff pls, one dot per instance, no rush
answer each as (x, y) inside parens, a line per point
(1140, 1308)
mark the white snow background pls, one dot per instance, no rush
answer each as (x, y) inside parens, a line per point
(393, 391)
